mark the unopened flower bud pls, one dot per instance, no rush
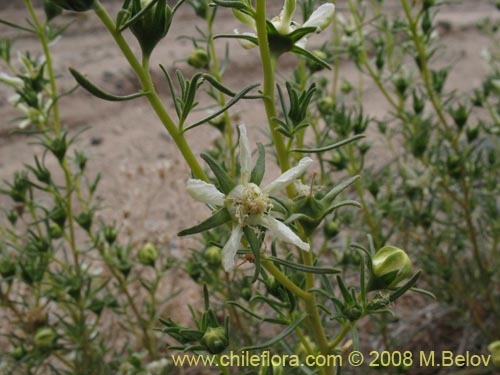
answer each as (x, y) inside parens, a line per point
(213, 256)
(19, 353)
(110, 235)
(215, 340)
(7, 267)
(52, 10)
(472, 132)
(199, 58)
(494, 348)
(331, 229)
(148, 255)
(326, 105)
(75, 5)
(314, 66)
(55, 230)
(390, 265)
(45, 338)
(153, 25)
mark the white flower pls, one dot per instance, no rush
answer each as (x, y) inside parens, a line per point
(249, 204)
(285, 25)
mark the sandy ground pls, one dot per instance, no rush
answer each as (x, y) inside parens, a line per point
(143, 175)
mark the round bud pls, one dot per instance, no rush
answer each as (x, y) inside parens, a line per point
(326, 105)
(213, 256)
(199, 58)
(215, 340)
(45, 338)
(7, 267)
(55, 230)
(494, 348)
(390, 266)
(331, 229)
(148, 255)
(313, 65)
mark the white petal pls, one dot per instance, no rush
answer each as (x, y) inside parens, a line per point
(289, 176)
(284, 21)
(246, 44)
(302, 42)
(321, 17)
(205, 193)
(245, 155)
(12, 81)
(282, 232)
(231, 247)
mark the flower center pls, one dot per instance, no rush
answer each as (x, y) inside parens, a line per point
(245, 202)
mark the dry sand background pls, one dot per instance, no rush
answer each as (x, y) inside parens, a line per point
(143, 176)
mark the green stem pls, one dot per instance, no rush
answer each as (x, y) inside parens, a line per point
(42, 36)
(228, 126)
(285, 281)
(144, 76)
(338, 339)
(268, 65)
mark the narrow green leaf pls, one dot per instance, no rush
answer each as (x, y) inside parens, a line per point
(241, 307)
(220, 217)
(228, 105)
(16, 26)
(219, 86)
(339, 188)
(403, 289)
(172, 91)
(301, 32)
(303, 52)
(260, 166)
(424, 292)
(138, 15)
(304, 268)
(330, 147)
(225, 182)
(94, 90)
(280, 336)
(255, 245)
(249, 38)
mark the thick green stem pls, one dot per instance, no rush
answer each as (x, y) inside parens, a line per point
(268, 64)
(144, 76)
(42, 36)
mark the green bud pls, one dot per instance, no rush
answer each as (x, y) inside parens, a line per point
(345, 87)
(426, 22)
(352, 312)
(200, 7)
(401, 84)
(45, 338)
(454, 166)
(426, 4)
(153, 25)
(313, 211)
(7, 267)
(380, 301)
(472, 132)
(326, 105)
(75, 5)
(390, 266)
(494, 348)
(19, 353)
(110, 235)
(55, 230)
(59, 146)
(148, 255)
(85, 220)
(199, 58)
(331, 229)
(213, 256)
(12, 216)
(418, 103)
(246, 293)
(314, 66)
(460, 115)
(194, 270)
(52, 10)
(215, 340)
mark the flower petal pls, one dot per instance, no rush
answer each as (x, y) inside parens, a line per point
(282, 232)
(321, 17)
(205, 193)
(245, 155)
(245, 18)
(246, 44)
(289, 176)
(284, 20)
(231, 247)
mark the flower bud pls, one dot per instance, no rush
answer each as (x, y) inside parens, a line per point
(12, 216)
(148, 255)
(55, 230)
(494, 348)
(353, 312)
(213, 256)
(45, 338)
(472, 132)
(326, 105)
(75, 5)
(314, 66)
(7, 267)
(19, 352)
(390, 266)
(85, 220)
(110, 235)
(199, 58)
(153, 25)
(331, 229)
(52, 10)
(215, 340)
